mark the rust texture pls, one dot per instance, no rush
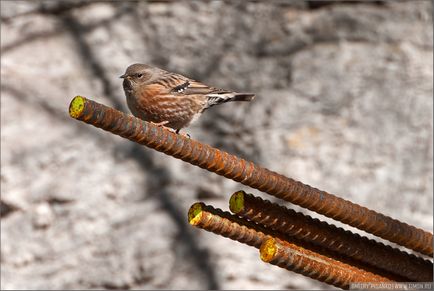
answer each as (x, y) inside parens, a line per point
(234, 227)
(305, 261)
(303, 227)
(249, 174)
(225, 224)
(315, 266)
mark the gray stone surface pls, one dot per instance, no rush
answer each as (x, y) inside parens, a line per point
(344, 104)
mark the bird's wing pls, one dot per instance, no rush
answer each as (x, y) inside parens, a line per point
(195, 87)
(181, 85)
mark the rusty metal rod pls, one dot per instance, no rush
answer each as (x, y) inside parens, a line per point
(253, 234)
(321, 268)
(234, 227)
(329, 270)
(304, 227)
(306, 262)
(249, 174)
(223, 223)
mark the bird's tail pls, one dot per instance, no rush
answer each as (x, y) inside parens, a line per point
(243, 97)
(214, 99)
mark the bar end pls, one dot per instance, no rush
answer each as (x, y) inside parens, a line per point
(236, 202)
(195, 213)
(268, 250)
(77, 106)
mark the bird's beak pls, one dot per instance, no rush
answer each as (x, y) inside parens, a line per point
(123, 76)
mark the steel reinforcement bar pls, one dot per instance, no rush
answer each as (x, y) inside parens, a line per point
(278, 251)
(312, 230)
(247, 173)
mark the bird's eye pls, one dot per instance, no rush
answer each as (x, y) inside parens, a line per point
(139, 75)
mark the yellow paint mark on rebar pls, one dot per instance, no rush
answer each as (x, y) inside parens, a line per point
(76, 107)
(195, 213)
(268, 250)
(236, 202)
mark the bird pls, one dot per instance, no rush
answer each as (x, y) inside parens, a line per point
(169, 99)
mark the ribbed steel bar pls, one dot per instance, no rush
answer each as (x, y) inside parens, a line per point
(324, 269)
(223, 223)
(306, 261)
(303, 227)
(249, 174)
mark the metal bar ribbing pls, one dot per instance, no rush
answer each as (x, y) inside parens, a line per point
(249, 174)
(225, 224)
(276, 250)
(306, 228)
(315, 266)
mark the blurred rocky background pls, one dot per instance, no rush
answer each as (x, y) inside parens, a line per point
(344, 103)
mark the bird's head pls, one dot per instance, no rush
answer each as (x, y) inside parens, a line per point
(138, 74)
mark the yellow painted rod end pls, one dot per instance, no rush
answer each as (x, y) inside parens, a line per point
(236, 202)
(195, 213)
(268, 250)
(77, 106)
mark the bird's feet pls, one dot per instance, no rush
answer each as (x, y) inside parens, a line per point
(163, 123)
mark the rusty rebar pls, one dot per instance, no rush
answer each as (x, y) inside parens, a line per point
(324, 269)
(249, 174)
(308, 262)
(304, 227)
(223, 223)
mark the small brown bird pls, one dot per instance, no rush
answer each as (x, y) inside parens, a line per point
(170, 99)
